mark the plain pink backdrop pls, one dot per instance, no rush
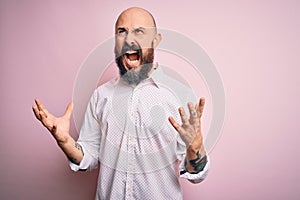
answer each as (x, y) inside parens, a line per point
(254, 44)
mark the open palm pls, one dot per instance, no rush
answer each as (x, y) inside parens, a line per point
(190, 130)
(59, 127)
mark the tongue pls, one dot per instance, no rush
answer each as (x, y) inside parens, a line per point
(133, 56)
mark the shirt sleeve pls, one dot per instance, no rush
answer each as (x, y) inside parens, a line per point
(193, 178)
(89, 137)
(87, 163)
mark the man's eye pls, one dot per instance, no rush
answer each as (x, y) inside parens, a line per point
(121, 32)
(139, 31)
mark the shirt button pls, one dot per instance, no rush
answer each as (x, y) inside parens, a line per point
(128, 188)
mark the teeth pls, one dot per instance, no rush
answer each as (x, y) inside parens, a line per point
(132, 62)
(131, 52)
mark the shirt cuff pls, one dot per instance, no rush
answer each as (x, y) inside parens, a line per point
(194, 178)
(85, 162)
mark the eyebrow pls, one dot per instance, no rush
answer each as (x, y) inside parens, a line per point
(121, 29)
(124, 29)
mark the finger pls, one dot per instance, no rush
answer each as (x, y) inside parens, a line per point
(183, 117)
(201, 106)
(46, 122)
(36, 112)
(69, 110)
(41, 107)
(193, 113)
(38, 103)
(174, 124)
(43, 115)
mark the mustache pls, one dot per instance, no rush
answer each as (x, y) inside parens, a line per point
(133, 47)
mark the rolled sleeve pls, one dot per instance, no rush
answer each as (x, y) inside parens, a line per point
(194, 178)
(88, 162)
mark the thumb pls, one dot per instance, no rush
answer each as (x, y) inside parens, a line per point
(69, 110)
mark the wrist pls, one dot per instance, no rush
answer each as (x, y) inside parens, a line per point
(193, 149)
(192, 152)
(65, 141)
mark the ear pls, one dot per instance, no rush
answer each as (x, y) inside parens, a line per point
(157, 40)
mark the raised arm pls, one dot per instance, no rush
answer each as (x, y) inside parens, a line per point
(59, 127)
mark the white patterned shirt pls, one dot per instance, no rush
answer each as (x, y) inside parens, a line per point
(126, 131)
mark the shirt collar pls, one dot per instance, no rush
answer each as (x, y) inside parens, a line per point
(157, 76)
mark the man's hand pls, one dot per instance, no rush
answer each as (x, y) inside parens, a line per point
(59, 127)
(190, 132)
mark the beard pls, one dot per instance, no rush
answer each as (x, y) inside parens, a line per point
(131, 76)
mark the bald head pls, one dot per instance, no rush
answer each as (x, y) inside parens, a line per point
(135, 17)
(136, 38)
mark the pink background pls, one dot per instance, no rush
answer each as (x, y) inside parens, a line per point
(254, 44)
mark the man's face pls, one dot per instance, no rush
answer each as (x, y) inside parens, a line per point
(134, 45)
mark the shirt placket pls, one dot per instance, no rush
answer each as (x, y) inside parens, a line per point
(131, 140)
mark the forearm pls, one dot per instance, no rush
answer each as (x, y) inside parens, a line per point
(72, 150)
(195, 159)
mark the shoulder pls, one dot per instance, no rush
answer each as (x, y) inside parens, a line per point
(107, 86)
(105, 90)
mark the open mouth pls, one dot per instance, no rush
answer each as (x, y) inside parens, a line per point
(132, 58)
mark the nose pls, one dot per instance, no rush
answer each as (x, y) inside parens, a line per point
(130, 40)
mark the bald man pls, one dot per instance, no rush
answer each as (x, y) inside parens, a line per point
(131, 124)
